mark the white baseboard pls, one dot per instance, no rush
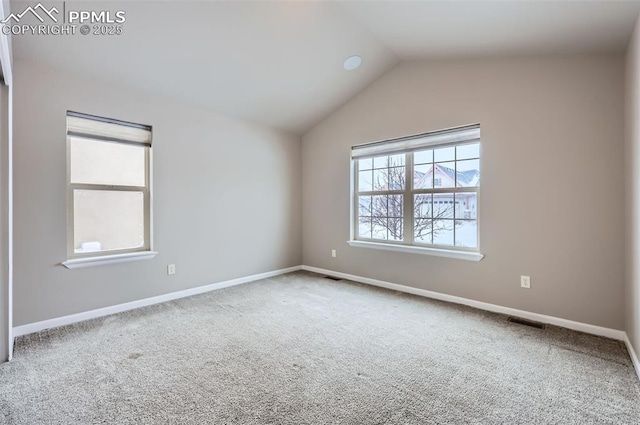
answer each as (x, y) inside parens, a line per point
(632, 353)
(556, 321)
(569, 324)
(92, 314)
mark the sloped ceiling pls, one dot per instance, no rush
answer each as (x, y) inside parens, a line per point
(280, 63)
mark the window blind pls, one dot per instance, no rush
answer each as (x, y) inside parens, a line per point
(83, 125)
(469, 133)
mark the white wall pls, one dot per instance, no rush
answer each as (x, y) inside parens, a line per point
(226, 196)
(632, 178)
(552, 190)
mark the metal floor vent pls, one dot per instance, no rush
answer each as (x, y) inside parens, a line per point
(332, 278)
(526, 322)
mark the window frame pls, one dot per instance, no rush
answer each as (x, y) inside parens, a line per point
(84, 259)
(409, 244)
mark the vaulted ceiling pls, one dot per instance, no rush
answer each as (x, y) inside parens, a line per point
(280, 63)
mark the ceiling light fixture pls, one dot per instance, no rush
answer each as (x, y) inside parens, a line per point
(352, 63)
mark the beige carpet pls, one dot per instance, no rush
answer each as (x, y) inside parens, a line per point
(300, 349)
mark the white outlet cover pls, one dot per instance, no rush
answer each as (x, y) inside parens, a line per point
(525, 282)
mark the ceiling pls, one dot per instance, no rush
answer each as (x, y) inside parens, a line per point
(443, 29)
(280, 63)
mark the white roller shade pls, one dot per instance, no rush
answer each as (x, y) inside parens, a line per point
(81, 125)
(468, 133)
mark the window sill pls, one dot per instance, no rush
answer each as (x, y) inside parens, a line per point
(436, 252)
(77, 263)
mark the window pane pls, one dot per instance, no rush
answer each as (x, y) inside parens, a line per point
(396, 160)
(423, 157)
(106, 220)
(379, 206)
(468, 173)
(443, 232)
(444, 154)
(380, 162)
(365, 164)
(466, 205)
(365, 206)
(423, 176)
(395, 206)
(423, 230)
(422, 206)
(444, 174)
(97, 162)
(364, 227)
(380, 178)
(467, 233)
(443, 205)
(395, 229)
(364, 181)
(379, 229)
(396, 178)
(468, 151)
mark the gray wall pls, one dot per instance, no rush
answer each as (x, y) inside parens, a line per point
(4, 223)
(552, 180)
(226, 197)
(4, 199)
(632, 178)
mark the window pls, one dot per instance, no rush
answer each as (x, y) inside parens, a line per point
(420, 191)
(109, 196)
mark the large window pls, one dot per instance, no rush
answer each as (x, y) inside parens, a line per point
(419, 191)
(109, 198)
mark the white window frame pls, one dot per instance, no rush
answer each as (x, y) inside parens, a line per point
(85, 259)
(458, 136)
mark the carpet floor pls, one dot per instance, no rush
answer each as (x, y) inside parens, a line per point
(301, 349)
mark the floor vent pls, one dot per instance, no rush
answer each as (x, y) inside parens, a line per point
(526, 322)
(332, 278)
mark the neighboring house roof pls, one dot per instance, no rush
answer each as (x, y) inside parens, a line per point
(464, 178)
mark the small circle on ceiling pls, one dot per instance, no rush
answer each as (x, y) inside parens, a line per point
(352, 63)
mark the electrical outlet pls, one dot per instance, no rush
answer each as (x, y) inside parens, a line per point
(171, 269)
(333, 253)
(525, 282)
